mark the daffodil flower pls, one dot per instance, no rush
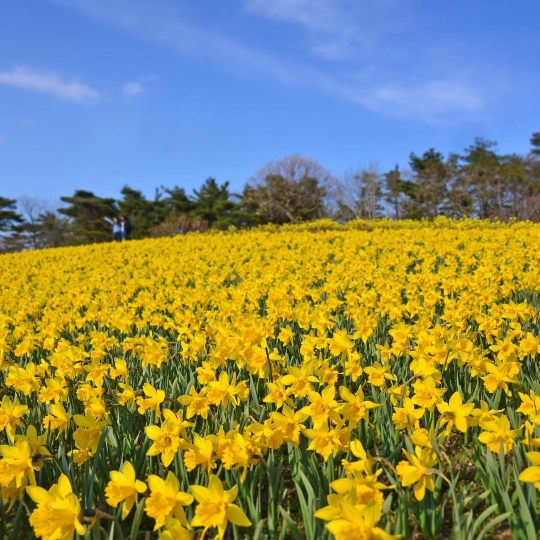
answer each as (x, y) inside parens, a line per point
(124, 486)
(215, 507)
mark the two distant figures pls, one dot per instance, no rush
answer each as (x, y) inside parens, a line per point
(121, 227)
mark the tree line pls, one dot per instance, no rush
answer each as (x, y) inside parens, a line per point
(479, 182)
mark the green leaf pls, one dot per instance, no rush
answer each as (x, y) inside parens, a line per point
(482, 517)
(290, 523)
(137, 519)
(493, 523)
(258, 531)
(17, 522)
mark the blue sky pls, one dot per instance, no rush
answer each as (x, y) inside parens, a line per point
(96, 94)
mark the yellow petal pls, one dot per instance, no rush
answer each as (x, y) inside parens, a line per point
(461, 423)
(156, 483)
(532, 474)
(420, 489)
(534, 457)
(236, 516)
(200, 493)
(38, 494)
(152, 432)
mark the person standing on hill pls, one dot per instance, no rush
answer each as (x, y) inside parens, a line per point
(116, 228)
(126, 227)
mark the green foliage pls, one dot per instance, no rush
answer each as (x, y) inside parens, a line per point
(53, 230)
(431, 182)
(142, 213)
(175, 204)
(535, 143)
(212, 203)
(281, 200)
(8, 214)
(481, 183)
(87, 212)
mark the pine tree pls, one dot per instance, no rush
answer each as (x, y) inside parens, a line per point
(212, 202)
(142, 213)
(535, 143)
(87, 212)
(9, 216)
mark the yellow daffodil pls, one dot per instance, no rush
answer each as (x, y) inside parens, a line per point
(57, 515)
(166, 500)
(498, 432)
(454, 413)
(197, 403)
(16, 464)
(407, 417)
(124, 487)
(215, 507)
(418, 471)
(11, 414)
(532, 474)
(154, 398)
(166, 441)
(378, 374)
(359, 523)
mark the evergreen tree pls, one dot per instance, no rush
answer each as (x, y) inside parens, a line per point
(430, 174)
(399, 193)
(9, 216)
(87, 212)
(212, 202)
(535, 143)
(480, 171)
(460, 196)
(249, 211)
(175, 204)
(142, 213)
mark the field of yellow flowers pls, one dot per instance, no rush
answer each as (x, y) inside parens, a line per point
(374, 380)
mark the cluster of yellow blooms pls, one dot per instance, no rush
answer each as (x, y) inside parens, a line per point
(171, 368)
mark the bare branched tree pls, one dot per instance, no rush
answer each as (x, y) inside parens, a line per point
(31, 209)
(361, 192)
(292, 189)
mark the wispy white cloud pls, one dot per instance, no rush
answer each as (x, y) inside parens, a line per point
(338, 28)
(48, 83)
(137, 87)
(428, 98)
(160, 22)
(316, 14)
(132, 88)
(355, 32)
(441, 101)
